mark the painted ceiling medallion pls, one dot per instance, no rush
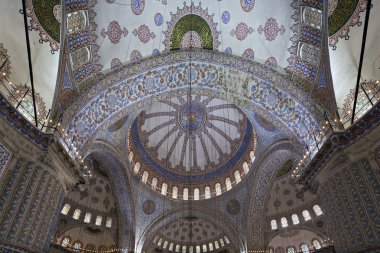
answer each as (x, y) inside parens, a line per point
(191, 18)
(45, 18)
(192, 117)
(345, 15)
(271, 29)
(144, 34)
(137, 6)
(114, 32)
(241, 31)
(247, 5)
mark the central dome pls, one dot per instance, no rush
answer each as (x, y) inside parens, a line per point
(193, 139)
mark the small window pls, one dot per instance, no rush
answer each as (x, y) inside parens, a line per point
(221, 242)
(145, 176)
(191, 249)
(304, 248)
(160, 242)
(237, 176)
(155, 240)
(284, 222)
(130, 156)
(291, 250)
(216, 243)
(306, 215)
(316, 244)
(87, 218)
(210, 246)
(154, 183)
(136, 169)
(76, 214)
(317, 210)
(165, 245)
(184, 249)
(228, 184)
(65, 209)
(80, 57)
(177, 247)
(65, 242)
(171, 246)
(245, 167)
(204, 248)
(198, 249)
(295, 219)
(77, 246)
(207, 192)
(312, 17)
(226, 239)
(98, 220)
(164, 189)
(175, 192)
(218, 189)
(109, 222)
(252, 156)
(196, 194)
(185, 194)
(273, 224)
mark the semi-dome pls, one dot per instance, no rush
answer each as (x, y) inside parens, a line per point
(204, 141)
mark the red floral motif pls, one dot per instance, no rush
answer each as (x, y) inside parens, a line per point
(114, 32)
(271, 29)
(241, 31)
(144, 33)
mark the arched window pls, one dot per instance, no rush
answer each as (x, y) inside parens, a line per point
(245, 167)
(65, 242)
(185, 194)
(312, 17)
(164, 189)
(295, 219)
(98, 220)
(204, 248)
(108, 222)
(228, 184)
(207, 192)
(196, 194)
(130, 157)
(136, 169)
(65, 209)
(184, 248)
(154, 183)
(304, 248)
(273, 224)
(160, 242)
(306, 215)
(218, 189)
(177, 248)
(309, 53)
(165, 245)
(76, 21)
(221, 242)
(87, 218)
(175, 192)
(155, 240)
(77, 246)
(284, 222)
(145, 176)
(226, 239)
(291, 250)
(198, 249)
(76, 214)
(316, 244)
(80, 57)
(216, 243)
(252, 156)
(171, 246)
(210, 246)
(191, 249)
(317, 210)
(237, 176)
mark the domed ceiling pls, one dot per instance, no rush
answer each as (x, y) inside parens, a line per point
(202, 141)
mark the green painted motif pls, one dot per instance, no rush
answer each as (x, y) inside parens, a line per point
(190, 23)
(44, 13)
(341, 15)
(285, 169)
